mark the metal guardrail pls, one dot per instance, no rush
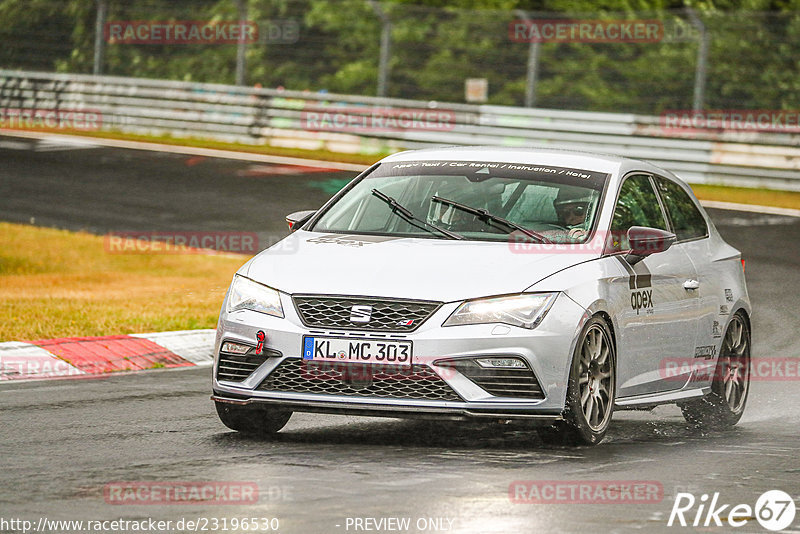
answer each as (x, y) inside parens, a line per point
(370, 125)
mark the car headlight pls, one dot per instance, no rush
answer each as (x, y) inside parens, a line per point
(248, 295)
(526, 310)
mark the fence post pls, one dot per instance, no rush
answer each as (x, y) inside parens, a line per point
(701, 68)
(99, 37)
(386, 48)
(241, 46)
(532, 75)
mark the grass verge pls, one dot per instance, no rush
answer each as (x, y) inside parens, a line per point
(55, 283)
(746, 195)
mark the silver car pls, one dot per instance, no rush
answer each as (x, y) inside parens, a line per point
(477, 282)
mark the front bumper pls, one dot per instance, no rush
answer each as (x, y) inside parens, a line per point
(547, 350)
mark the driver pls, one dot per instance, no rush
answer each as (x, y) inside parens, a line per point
(572, 208)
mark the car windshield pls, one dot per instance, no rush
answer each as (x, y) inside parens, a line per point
(558, 204)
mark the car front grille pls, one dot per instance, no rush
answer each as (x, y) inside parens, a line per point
(237, 367)
(499, 382)
(385, 381)
(387, 315)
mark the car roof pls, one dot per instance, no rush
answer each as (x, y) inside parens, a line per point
(617, 166)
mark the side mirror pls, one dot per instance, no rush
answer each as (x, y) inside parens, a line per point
(645, 241)
(298, 218)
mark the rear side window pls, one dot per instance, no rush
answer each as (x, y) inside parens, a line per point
(687, 221)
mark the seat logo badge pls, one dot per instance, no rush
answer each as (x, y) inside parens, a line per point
(409, 322)
(360, 314)
(260, 337)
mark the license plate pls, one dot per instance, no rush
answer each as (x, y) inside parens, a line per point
(344, 350)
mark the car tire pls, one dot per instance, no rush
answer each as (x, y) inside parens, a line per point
(724, 405)
(259, 421)
(591, 389)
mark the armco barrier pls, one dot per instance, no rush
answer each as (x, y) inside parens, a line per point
(369, 125)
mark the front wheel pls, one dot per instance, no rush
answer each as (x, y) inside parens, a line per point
(591, 389)
(724, 405)
(261, 421)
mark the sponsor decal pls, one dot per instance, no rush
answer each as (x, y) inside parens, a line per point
(729, 295)
(531, 172)
(716, 329)
(348, 240)
(639, 278)
(642, 301)
(724, 310)
(706, 351)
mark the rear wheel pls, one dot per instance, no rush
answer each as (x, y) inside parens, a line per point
(591, 389)
(724, 405)
(261, 421)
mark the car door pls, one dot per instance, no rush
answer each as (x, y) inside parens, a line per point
(657, 316)
(691, 229)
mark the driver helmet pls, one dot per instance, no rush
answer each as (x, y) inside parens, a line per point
(572, 205)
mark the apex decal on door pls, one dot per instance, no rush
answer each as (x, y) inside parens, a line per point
(639, 278)
(642, 301)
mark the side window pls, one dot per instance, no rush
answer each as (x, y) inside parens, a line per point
(687, 221)
(637, 205)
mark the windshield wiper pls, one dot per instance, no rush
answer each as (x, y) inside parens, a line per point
(486, 217)
(410, 218)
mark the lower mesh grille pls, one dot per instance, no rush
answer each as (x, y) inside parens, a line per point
(386, 381)
(500, 382)
(237, 367)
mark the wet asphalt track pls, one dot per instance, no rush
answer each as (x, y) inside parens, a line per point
(63, 441)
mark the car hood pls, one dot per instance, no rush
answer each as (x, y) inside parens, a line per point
(413, 268)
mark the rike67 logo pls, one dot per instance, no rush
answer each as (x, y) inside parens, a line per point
(774, 510)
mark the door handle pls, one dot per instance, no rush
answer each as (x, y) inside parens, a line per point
(690, 285)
